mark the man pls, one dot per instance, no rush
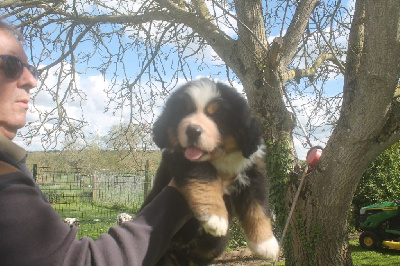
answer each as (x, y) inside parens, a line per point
(31, 232)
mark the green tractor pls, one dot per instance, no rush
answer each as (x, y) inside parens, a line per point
(380, 224)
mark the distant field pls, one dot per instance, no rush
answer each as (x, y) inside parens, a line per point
(95, 160)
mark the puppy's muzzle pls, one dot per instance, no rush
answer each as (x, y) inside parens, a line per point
(193, 133)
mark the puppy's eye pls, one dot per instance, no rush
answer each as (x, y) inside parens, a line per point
(213, 107)
(188, 104)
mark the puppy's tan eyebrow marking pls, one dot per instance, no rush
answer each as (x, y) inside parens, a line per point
(213, 107)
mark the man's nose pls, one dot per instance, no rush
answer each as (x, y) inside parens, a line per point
(27, 80)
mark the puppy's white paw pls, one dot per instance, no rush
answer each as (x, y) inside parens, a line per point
(215, 225)
(266, 249)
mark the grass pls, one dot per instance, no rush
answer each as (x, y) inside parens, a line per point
(360, 256)
(96, 204)
(73, 197)
(93, 227)
(379, 257)
(94, 219)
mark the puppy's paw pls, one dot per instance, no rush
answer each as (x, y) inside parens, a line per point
(267, 249)
(214, 225)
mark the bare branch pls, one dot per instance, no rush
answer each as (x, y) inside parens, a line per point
(295, 31)
(329, 45)
(202, 10)
(120, 29)
(221, 43)
(243, 25)
(297, 74)
(72, 48)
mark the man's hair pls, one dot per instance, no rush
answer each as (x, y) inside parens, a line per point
(11, 30)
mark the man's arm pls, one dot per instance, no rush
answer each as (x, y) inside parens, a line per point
(32, 233)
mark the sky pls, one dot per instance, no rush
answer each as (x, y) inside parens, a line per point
(92, 108)
(99, 121)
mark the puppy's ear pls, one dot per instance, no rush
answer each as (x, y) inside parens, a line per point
(160, 131)
(164, 129)
(251, 135)
(247, 124)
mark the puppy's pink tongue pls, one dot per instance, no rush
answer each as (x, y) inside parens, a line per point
(193, 153)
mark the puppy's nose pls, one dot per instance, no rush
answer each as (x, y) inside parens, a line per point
(193, 133)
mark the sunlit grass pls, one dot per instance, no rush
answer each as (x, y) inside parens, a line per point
(93, 219)
(373, 258)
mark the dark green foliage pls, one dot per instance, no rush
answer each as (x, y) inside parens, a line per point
(381, 182)
(278, 165)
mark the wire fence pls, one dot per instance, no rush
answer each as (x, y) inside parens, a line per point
(94, 198)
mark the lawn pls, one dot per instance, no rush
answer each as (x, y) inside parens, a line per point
(92, 227)
(94, 219)
(363, 257)
(73, 196)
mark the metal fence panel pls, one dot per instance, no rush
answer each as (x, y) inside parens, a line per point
(95, 198)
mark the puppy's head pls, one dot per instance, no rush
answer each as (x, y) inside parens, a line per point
(206, 120)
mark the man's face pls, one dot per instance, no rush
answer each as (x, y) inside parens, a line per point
(14, 94)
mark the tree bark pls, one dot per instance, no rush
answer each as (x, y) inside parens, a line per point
(363, 132)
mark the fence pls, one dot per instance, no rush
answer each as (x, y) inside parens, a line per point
(94, 197)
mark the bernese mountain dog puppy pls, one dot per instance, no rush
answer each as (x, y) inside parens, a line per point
(212, 145)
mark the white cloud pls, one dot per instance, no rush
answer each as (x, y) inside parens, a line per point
(99, 121)
(91, 106)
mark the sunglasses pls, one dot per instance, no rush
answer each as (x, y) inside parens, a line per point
(13, 67)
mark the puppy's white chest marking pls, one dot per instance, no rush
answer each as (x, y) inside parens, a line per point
(231, 169)
(237, 183)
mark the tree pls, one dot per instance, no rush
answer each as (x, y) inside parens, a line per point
(130, 143)
(125, 137)
(170, 36)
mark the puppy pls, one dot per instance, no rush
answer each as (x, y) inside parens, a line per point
(212, 145)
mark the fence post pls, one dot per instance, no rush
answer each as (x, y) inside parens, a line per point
(146, 179)
(34, 171)
(94, 188)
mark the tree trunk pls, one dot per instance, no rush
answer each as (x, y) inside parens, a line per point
(367, 126)
(259, 70)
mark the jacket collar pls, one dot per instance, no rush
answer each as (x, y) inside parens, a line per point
(15, 152)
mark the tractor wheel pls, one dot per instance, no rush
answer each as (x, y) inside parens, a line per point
(369, 240)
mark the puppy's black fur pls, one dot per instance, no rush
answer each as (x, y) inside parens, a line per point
(223, 155)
